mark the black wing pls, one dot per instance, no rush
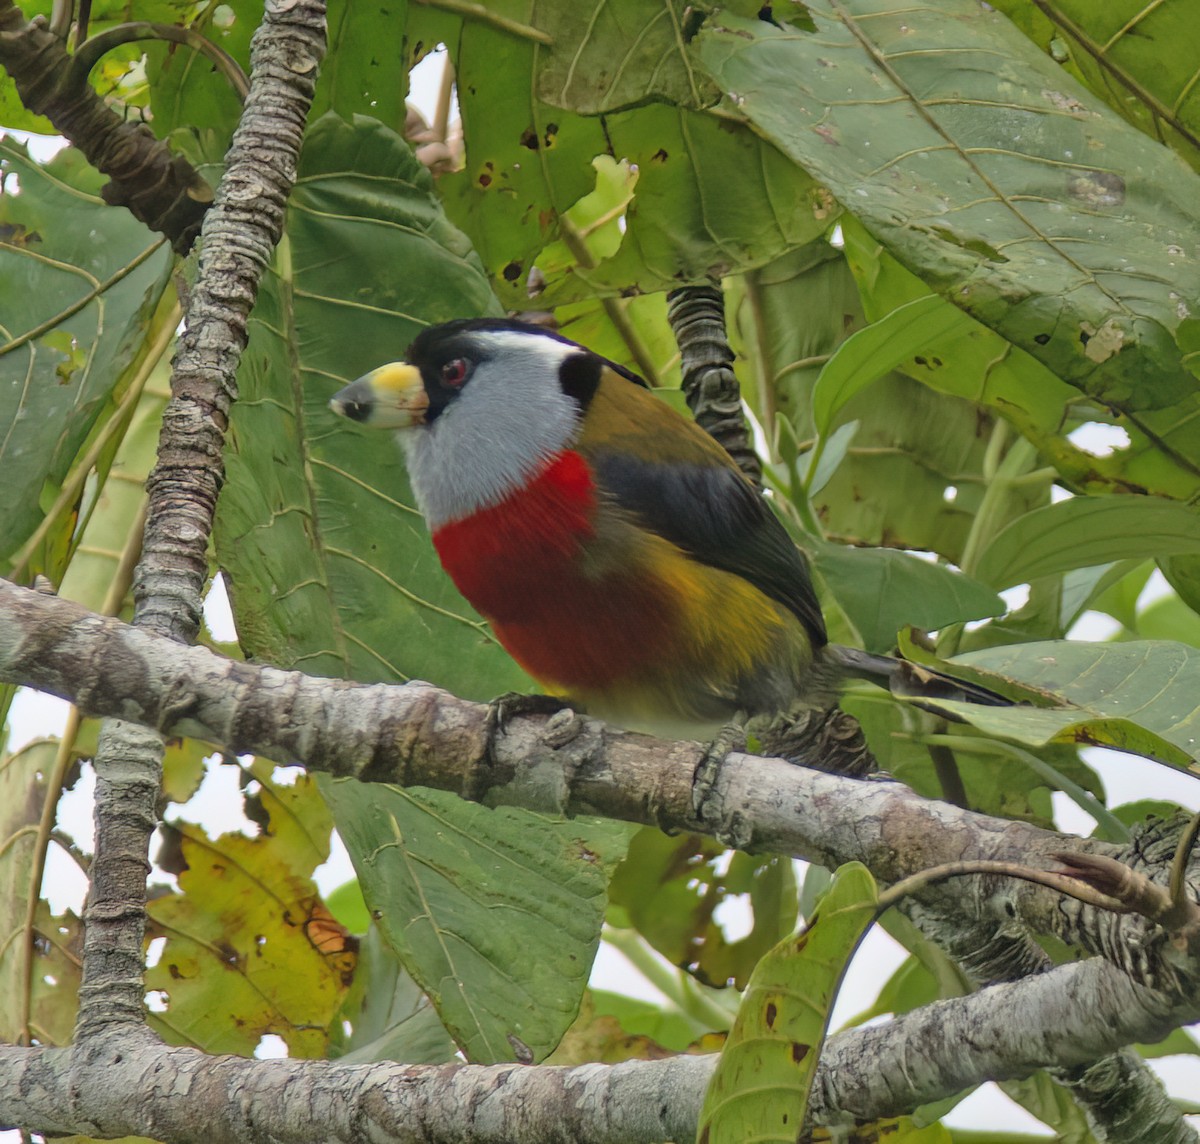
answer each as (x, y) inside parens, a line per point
(715, 515)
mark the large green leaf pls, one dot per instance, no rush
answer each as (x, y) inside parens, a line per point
(760, 1088)
(330, 564)
(73, 311)
(1007, 188)
(1142, 696)
(1140, 58)
(496, 913)
(971, 361)
(881, 590)
(1084, 531)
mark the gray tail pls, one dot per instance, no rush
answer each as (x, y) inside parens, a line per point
(903, 677)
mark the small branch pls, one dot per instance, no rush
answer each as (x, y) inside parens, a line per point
(1063, 883)
(90, 52)
(1177, 886)
(163, 191)
(697, 317)
(1136, 893)
(945, 767)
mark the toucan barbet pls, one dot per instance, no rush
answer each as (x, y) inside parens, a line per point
(620, 555)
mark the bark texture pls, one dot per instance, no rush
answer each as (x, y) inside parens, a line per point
(239, 234)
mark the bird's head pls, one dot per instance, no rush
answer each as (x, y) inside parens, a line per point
(482, 405)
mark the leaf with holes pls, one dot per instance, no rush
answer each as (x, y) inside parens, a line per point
(760, 1088)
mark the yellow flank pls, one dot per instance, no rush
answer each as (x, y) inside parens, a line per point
(728, 623)
(731, 639)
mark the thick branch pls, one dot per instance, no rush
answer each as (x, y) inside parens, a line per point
(1070, 1015)
(239, 234)
(418, 735)
(161, 190)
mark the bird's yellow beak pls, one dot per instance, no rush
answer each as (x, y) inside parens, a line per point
(390, 397)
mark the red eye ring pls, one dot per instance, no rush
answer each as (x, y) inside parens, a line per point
(454, 372)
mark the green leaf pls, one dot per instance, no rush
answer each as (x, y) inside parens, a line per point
(1183, 574)
(391, 1018)
(619, 54)
(667, 1027)
(495, 913)
(967, 173)
(867, 355)
(760, 1088)
(91, 300)
(330, 563)
(832, 451)
(710, 197)
(1169, 619)
(1085, 531)
(1140, 58)
(1139, 696)
(346, 903)
(881, 590)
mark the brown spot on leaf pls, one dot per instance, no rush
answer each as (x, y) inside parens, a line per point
(799, 1051)
(529, 139)
(771, 1013)
(659, 156)
(511, 272)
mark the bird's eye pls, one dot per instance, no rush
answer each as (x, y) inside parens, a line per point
(454, 372)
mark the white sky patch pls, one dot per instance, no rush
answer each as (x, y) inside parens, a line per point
(1098, 439)
(218, 615)
(1095, 627)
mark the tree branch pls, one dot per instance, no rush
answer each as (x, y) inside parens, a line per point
(239, 235)
(162, 190)
(415, 734)
(1071, 1016)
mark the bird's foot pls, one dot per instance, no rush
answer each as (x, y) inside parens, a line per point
(513, 704)
(706, 805)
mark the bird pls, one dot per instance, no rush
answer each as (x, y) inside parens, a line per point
(619, 554)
